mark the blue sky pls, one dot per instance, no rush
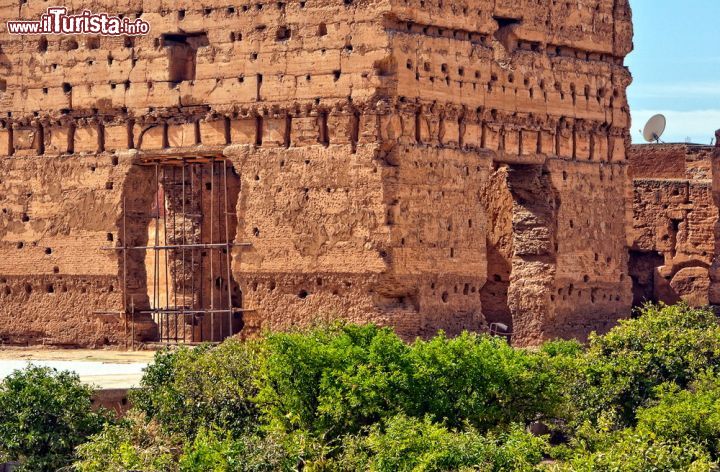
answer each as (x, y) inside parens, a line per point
(676, 67)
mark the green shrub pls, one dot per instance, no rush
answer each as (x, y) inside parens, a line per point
(44, 415)
(635, 451)
(211, 451)
(621, 370)
(480, 380)
(187, 389)
(410, 444)
(131, 444)
(333, 381)
(337, 381)
(686, 415)
(218, 451)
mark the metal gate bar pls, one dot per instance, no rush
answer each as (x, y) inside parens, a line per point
(170, 316)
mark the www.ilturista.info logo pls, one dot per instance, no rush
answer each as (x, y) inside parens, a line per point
(57, 21)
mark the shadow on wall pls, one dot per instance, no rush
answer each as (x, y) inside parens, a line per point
(655, 282)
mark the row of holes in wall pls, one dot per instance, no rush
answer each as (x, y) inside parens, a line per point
(28, 288)
(183, 49)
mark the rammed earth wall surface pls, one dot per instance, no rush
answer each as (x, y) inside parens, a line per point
(420, 164)
(675, 220)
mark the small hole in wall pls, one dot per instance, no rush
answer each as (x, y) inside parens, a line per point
(208, 186)
(56, 270)
(445, 297)
(283, 33)
(256, 232)
(28, 289)
(20, 245)
(302, 294)
(48, 251)
(24, 218)
(50, 288)
(110, 237)
(111, 289)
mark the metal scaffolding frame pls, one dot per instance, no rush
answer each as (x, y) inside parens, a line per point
(170, 316)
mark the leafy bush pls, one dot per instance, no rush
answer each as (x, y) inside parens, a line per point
(634, 451)
(480, 380)
(337, 381)
(621, 370)
(686, 415)
(187, 389)
(218, 451)
(332, 381)
(131, 444)
(44, 415)
(645, 397)
(410, 444)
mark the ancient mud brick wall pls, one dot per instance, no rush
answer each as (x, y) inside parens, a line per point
(538, 88)
(393, 156)
(674, 223)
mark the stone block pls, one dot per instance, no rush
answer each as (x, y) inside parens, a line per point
(87, 139)
(213, 132)
(243, 130)
(117, 137)
(181, 135)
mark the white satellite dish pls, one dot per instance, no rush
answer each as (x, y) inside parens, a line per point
(655, 128)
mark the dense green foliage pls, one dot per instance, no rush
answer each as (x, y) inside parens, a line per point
(44, 415)
(620, 371)
(645, 397)
(334, 382)
(187, 389)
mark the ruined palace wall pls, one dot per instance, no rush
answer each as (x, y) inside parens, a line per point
(57, 211)
(275, 53)
(674, 221)
(394, 237)
(670, 161)
(596, 26)
(269, 75)
(364, 134)
(592, 285)
(538, 87)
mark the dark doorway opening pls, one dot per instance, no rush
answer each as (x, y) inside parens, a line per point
(177, 248)
(643, 266)
(182, 54)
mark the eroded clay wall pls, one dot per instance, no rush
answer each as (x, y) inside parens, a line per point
(266, 75)
(364, 134)
(540, 88)
(674, 223)
(57, 214)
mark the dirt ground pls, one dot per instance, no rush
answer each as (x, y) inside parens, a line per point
(88, 355)
(103, 369)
